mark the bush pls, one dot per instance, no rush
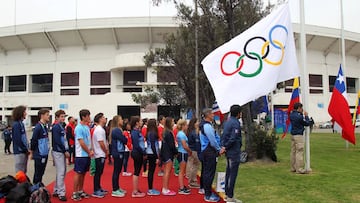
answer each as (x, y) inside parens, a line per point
(265, 141)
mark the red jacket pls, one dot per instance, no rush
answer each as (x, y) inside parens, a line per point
(128, 136)
(70, 133)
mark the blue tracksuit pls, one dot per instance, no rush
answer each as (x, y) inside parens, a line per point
(231, 140)
(20, 142)
(210, 147)
(298, 121)
(40, 147)
(59, 142)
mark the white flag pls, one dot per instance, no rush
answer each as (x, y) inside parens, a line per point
(251, 64)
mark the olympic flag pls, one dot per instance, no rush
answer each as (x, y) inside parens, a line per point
(251, 64)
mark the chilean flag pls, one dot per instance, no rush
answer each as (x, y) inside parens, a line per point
(218, 116)
(295, 98)
(339, 108)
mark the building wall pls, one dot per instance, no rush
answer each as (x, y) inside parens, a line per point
(317, 63)
(72, 59)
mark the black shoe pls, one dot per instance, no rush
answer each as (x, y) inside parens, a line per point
(55, 195)
(62, 198)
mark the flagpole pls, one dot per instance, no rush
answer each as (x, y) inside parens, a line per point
(272, 111)
(343, 61)
(304, 82)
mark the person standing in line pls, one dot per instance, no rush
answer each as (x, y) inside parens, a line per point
(70, 136)
(40, 145)
(143, 133)
(152, 152)
(60, 151)
(231, 143)
(101, 151)
(160, 132)
(83, 152)
(118, 142)
(183, 153)
(138, 153)
(20, 141)
(107, 130)
(128, 148)
(299, 119)
(194, 144)
(7, 136)
(176, 163)
(210, 149)
(167, 153)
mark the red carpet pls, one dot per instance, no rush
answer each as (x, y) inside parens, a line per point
(126, 183)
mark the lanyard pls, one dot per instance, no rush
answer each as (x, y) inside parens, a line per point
(43, 128)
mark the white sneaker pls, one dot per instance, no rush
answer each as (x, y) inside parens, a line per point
(201, 191)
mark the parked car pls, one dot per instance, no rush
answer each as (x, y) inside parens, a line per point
(327, 124)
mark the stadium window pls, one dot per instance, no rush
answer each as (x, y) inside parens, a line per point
(67, 92)
(130, 80)
(70, 79)
(1, 84)
(316, 84)
(100, 78)
(99, 91)
(332, 80)
(289, 85)
(351, 85)
(17, 83)
(41, 83)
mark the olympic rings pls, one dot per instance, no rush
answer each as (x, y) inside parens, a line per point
(251, 39)
(249, 75)
(282, 53)
(270, 34)
(265, 50)
(237, 64)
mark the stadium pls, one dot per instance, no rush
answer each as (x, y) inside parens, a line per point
(92, 56)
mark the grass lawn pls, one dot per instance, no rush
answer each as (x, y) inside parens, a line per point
(334, 178)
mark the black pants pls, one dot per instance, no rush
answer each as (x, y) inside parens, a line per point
(99, 169)
(7, 146)
(145, 162)
(152, 165)
(110, 160)
(39, 165)
(232, 167)
(71, 153)
(209, 165)
(118, 162)
(202, 175)
(138, 162)
(126, 160)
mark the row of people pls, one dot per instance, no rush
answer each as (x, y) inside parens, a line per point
(92, 143)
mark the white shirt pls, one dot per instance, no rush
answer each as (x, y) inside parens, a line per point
(99, 135)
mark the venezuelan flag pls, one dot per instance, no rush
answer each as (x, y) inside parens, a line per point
(357, 108)
(295, 98)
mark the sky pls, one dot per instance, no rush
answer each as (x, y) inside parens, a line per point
(16, 12)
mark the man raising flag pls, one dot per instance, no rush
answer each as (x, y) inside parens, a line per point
(339, 108)
(295, 98)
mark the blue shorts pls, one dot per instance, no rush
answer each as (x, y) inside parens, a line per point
(82, 165)
(182, 157)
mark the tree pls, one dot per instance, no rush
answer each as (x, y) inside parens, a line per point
(218, 21)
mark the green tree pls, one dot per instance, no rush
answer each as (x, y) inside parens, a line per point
(218, 21)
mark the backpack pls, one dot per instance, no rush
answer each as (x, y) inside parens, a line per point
(7, 183)
(19, 194)
(39, 194)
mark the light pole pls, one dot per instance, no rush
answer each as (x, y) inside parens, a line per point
(196, 62)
